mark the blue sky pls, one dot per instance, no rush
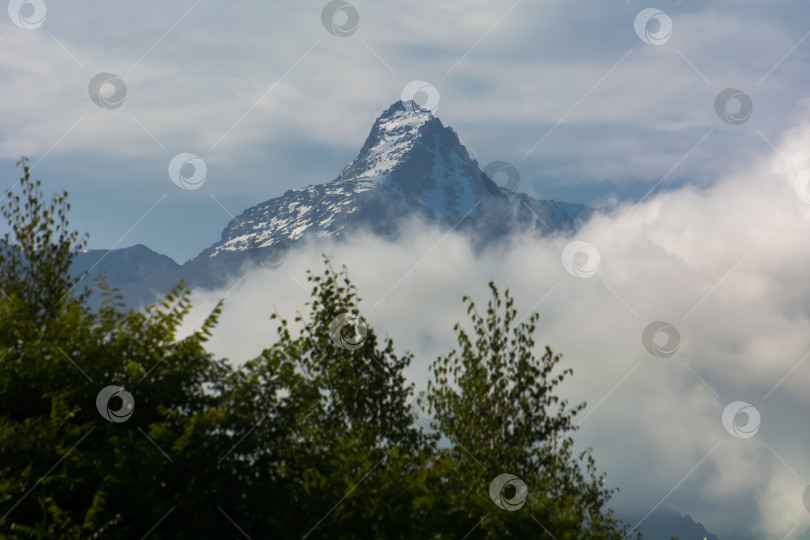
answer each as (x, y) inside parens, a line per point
(271, 101)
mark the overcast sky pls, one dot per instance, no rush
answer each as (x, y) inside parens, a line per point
(565, 91)
(589, 104)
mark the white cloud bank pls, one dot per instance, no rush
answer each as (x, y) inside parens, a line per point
(725, 266)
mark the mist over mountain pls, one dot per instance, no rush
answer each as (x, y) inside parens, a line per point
(412, 172)
(411, 167)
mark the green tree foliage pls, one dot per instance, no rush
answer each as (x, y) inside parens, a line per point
(36, 253)
(496, 403)
(310, 439)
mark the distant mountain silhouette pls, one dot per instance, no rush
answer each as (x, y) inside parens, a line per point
(666, 522)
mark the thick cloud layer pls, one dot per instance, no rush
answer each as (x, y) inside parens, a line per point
(725, 266)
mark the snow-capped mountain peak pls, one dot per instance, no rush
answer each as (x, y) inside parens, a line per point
(410, 164)
(412, 153)
(393, 135)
